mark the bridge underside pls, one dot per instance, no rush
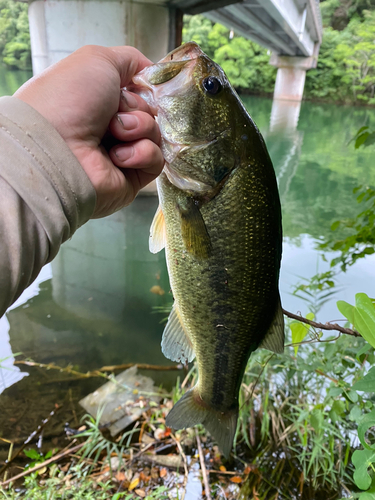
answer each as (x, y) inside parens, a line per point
(287, 27)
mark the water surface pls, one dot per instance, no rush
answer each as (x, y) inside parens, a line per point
(11, 80)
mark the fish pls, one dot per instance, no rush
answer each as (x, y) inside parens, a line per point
(219, 220)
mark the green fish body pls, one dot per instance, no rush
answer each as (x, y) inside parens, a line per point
(220, 223)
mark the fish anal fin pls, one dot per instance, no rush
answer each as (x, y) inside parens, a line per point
(176, 344)
(190, 410)
(193, 230)
(157, 232)
(274, 339)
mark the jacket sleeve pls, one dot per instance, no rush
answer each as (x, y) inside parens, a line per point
(45, 196)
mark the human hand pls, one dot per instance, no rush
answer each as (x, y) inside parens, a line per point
(80, 97)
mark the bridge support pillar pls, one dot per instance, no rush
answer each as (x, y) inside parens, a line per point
(291, 75)
(59, 27)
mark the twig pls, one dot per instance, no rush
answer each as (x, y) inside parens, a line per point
(141, 366)
(322, 326)
(203, 466)
(186, 476)
(51, 460)
(228, 472)
(101, 372)
(319, 372)
(28, 440)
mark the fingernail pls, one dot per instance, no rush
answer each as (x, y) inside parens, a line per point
(124, 153)
(129, 100)
(128, 122)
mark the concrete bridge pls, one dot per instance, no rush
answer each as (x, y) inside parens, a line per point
(291, 29)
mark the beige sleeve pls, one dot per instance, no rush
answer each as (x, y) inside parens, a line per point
(45, 196)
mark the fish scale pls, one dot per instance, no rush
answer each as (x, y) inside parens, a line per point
(220, 223)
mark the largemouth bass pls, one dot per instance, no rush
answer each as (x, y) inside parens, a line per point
(219, 220)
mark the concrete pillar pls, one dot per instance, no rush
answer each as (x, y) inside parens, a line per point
(59, 27)
(291, 75)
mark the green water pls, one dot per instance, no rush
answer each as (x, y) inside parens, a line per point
(93, 305)
(10, 81)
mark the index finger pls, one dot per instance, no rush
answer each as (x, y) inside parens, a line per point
(133, 102)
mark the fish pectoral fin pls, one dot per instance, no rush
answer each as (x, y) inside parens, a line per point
(193, 230)
(176, 344)
(274, 339)
(157, 238)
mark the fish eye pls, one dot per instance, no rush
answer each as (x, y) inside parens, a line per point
(212, 85)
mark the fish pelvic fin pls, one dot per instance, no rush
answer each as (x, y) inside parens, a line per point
(157, 232)
(275, 337)
(190, 410)
(175, 343)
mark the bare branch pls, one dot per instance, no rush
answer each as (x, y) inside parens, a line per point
(322, 326)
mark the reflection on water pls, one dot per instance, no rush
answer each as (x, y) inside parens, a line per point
(11, 80)
(95, 308)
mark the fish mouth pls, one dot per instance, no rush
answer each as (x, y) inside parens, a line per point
(171, 75)
(185, 52)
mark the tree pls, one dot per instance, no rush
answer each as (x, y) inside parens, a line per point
(15, 48)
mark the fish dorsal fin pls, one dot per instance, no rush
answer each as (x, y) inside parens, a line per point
(193, 230)
(176, 344)
(274, 339)
(157, 232)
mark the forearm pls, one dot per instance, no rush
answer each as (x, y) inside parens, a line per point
(44, 196)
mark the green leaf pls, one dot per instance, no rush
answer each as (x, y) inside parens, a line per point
(362, 316)
(335, 225)
(367, 384)
(355, 414)
(338, 407)
(346, 310)
(316, 420)
(353, 396)
(299, 332)
(362, 129)
(367, 421)
(361, 139)
(362, 459)
(365, 324)
(370, 140)
(363, 350)
(33, 454)
(335, 391)
(366, 496)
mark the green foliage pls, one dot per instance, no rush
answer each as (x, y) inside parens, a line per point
(359, 239)
(37, 457)
(97, 443)
(306, 409)
(346, 63)
(245, 62)
(338, 13)
(360, 232)
(79, 486)
(15, 48)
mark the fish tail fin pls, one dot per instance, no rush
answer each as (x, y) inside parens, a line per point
(190, 410)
